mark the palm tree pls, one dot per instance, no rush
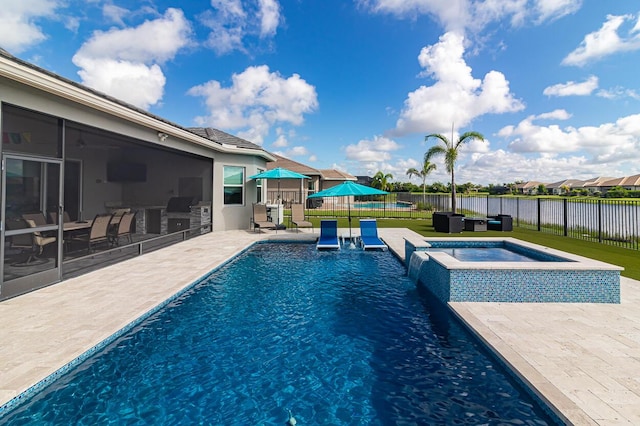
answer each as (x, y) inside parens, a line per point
(381, 181)
(449, 149)
(427, 167)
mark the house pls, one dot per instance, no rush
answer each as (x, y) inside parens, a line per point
(295, 190)
(594, 185)
(528, 188)
(563, 187)
(630, 183)
(69, 149)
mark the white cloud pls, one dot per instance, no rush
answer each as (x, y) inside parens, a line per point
(618, 93)
(377, 149)
(124, 63)
(606, 41)
(463, 15)
(548, 10)
(232, 23)
(455, 97)
(571, 88)
(19, 29)
(115, 13)
(269, 17)
(256, 100)
(607, 143)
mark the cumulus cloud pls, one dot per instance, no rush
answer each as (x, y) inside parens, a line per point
(607, 143)
(232, 22)
(19, 28)
(256, 100)
(618, 93)
(463, 15)
(125, 63)
(455, 97)
(378, 149)
(115, 13)
(571, 88)
(606, 41)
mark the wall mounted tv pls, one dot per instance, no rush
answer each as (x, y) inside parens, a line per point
(119, 171)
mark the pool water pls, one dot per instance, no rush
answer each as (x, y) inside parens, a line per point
(380, 205)
(485, 254)
(340, 338)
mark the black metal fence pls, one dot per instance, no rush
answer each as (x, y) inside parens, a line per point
(614, 222)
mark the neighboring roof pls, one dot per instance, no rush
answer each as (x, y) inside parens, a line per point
(223, 138)
(596, 181)
(31, 75)
(624, 181)
(294, 166)
(332, 174)
(529, 184)
(567, 182)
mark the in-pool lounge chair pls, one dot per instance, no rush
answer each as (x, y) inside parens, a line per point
(369, 235)
(328, 235)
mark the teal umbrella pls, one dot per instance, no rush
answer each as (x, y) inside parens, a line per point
(348, 189)
(279, 173)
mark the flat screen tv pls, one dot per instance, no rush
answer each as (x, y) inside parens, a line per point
(126, 172)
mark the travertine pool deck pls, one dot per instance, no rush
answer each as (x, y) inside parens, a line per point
(583, 358)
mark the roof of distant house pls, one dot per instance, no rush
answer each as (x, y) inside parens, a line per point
(333, 174)
(294, 166)
(624, 181)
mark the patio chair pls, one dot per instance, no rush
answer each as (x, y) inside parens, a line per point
(328, 235)
(369, 235)
(38, 218)
(501, 222)
(98, 233)
(298, 219)
(260, 220)
(122, 228)
(54, 217)
(30, 245)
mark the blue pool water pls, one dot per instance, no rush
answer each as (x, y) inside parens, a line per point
(339, 338)
(380, 205)
(484, 254)
(487, 251)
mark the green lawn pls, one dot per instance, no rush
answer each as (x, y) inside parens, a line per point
(628, 259)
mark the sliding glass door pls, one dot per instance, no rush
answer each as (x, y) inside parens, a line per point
(31, 249)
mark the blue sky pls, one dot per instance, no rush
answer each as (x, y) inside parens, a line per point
(356, 85)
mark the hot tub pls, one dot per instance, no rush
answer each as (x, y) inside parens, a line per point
(508, 270)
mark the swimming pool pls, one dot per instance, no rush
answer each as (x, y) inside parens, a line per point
(337, 337)
(380, 205)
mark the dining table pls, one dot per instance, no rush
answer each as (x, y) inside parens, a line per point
(76, 226)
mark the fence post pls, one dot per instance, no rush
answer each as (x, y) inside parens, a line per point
(565, 216)
(600, 221)
(539, 227)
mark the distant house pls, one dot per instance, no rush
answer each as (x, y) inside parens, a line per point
(564, 186)
(630, 183)
(594, 185)
(528, 188)
(297, 190)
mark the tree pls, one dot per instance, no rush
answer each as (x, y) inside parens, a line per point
(381, 181)
(449, 148)
(427, 167)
